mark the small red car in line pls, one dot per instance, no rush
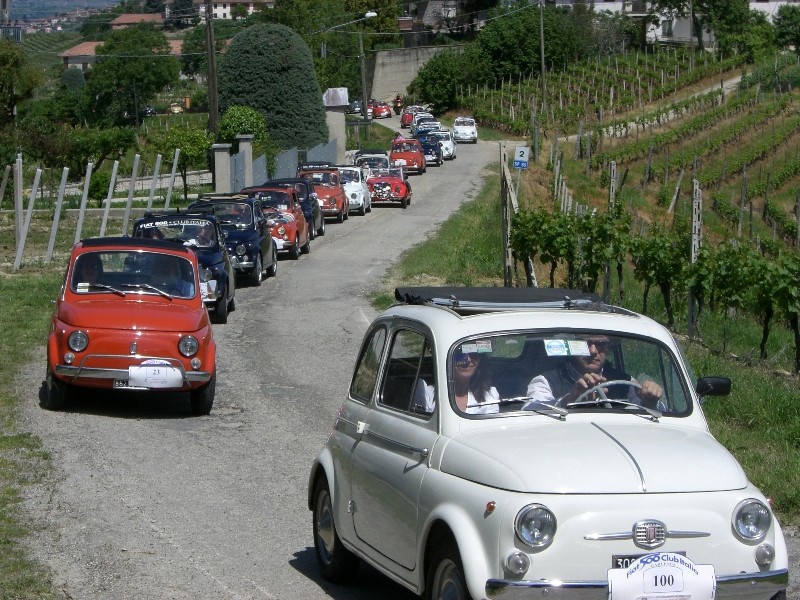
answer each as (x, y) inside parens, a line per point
(130, 316)
(389, 185)
(328, 187)
(292, 230)
(408, 153)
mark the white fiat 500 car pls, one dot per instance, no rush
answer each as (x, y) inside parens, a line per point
(445, 137)
(528, 443)
(465, 130)
(354, 182)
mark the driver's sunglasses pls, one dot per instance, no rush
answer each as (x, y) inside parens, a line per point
(460, 359)
(601, 345)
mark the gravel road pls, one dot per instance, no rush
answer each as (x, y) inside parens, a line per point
(145, 501)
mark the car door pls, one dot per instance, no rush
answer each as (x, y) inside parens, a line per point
(390, 459)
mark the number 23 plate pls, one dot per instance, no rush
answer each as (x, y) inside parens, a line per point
(662, 576)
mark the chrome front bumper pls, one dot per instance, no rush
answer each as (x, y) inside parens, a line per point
(745, 586)
(77, 372)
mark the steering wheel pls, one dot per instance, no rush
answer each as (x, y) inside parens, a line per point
(601, 392)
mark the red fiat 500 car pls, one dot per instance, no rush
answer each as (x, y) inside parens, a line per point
(293, 229)
(408, 115)
(381, 110)
(389, 185)
(408, 153)
(328, 187)
(130, 316)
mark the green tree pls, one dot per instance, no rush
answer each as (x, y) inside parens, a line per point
(269, 69)
(132, 66)
(182, 14)
(194, 143)
(194, 53)
(243, 120)
(725, 19)
(17, 79)
(439, 80)
(787, 26)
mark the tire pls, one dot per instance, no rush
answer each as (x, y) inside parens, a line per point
(321, 230)
(369, 206)
(444, 575)
(203, 397)
(306, 249)
(336, 563)
(232, 305)
(404, 203)
(347, 212)
(294, 251)
(55, 397)
(363, 210)
(221, 310)
(256, 275)
(340, 217)
(272, 270)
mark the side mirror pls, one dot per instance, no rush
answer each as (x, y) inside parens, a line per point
(713, 386)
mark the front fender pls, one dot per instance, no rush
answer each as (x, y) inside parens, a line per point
(322, 466)
(470, 546)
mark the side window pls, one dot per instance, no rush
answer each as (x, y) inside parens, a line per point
(409, 383)
(365, 376)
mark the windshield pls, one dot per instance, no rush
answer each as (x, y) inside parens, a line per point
(191, 232)
(464, 123)
(275, 199)
(373, 161)
(565, 372)
(133, 271)
(349, 176)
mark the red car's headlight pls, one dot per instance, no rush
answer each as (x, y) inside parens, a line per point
(78, 341)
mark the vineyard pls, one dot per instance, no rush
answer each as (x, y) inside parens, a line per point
(734, 129)
(42, 49)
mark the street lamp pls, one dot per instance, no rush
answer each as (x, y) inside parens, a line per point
(368, 15)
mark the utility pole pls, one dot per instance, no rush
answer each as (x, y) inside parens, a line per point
(541, 48)
(213, 108)
(364, 110)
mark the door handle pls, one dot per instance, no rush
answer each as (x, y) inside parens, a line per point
(361, 427)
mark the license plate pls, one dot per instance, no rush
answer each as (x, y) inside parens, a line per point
(623, 561)
(121, 383)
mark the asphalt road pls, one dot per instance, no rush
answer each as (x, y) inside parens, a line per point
(145, 501)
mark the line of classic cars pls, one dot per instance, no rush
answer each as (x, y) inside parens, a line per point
(135, 312)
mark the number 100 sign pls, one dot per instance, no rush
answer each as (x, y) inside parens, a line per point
(662, 576)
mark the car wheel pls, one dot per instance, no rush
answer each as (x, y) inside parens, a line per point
(321, 230)
(336, 562)
(346, 213)
(307, 248)
(272, 270)
(404, 202)
(221, 310)
(363, 210)
(369, 205)
(294, 251)
(340, 217)
(55, 396)
(232, 305)
(445, 575)
(257, 272)
(203, 397)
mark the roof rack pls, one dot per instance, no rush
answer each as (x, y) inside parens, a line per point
(473, 300)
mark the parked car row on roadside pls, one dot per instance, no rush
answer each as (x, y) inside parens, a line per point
(135, 312)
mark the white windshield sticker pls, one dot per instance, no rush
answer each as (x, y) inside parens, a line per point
(566, 348)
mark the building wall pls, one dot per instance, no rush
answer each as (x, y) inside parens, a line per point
(394, 69)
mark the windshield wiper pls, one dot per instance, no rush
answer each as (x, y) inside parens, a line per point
(536, 406)
(147, 286)
(103, 286)
(655, 414)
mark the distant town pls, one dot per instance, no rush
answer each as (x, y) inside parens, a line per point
(52, 15)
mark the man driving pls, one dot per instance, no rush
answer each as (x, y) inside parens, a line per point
(585, 369)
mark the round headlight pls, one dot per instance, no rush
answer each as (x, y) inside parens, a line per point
(78, 340)
(354, 195)
(241, 249)
(535, 526)
(281, 230)
(751, 520)
(208, 274)
(188, 345)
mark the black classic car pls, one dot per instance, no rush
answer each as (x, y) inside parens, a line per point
(308, 201)
(201, 232)
(247, 235)
(432, 148)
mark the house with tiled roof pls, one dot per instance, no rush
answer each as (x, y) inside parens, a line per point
(83, 55)
(130, 20)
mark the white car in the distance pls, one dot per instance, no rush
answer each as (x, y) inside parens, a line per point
(465, 130)
(355, 186)
(462, 465)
